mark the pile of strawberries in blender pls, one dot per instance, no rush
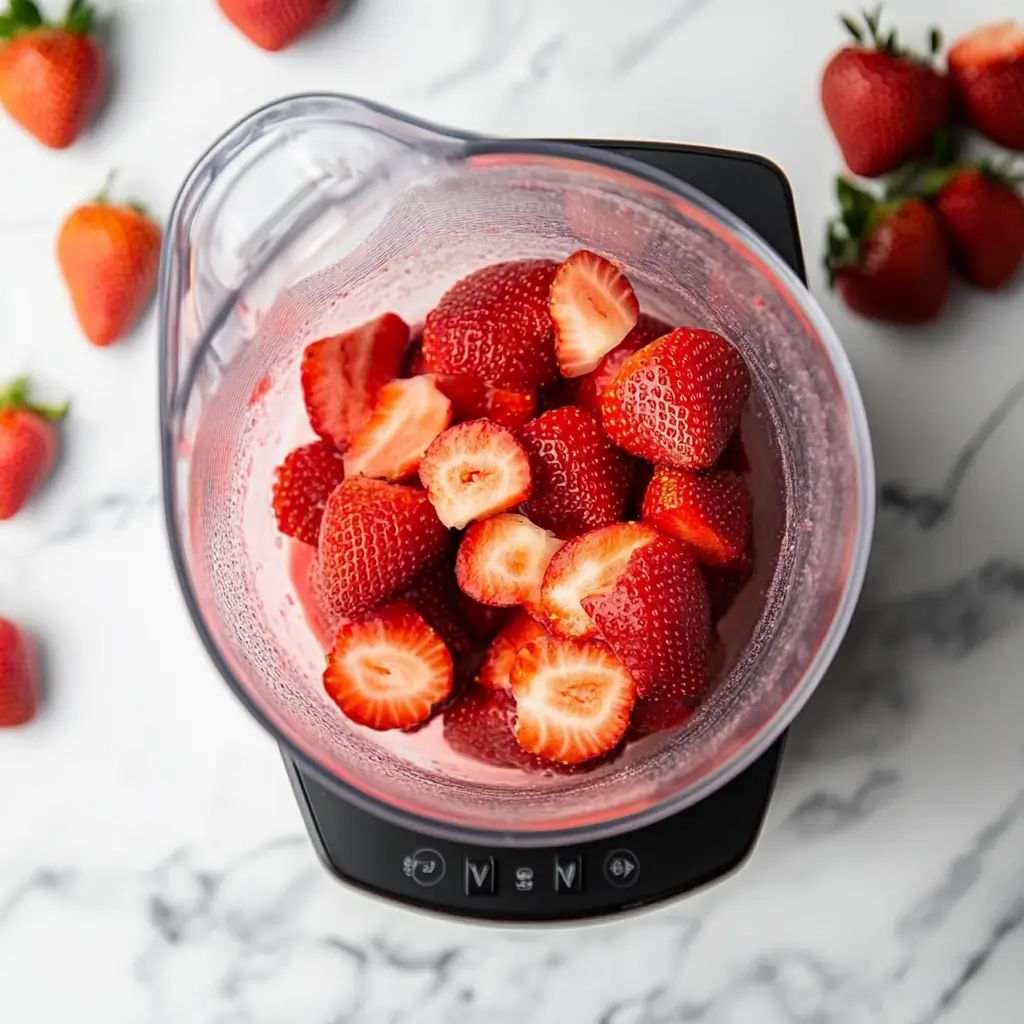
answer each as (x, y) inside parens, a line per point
(527, 517)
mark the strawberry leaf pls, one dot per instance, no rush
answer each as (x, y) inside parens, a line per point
(25, 14)
(14, 395)
(80, 18)
(8, 26)
(934, 41)
(852, 27)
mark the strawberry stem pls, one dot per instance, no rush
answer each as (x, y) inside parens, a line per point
(80, 18)
(14, 395)
(24, 16)
(103, 196)
(888, 42)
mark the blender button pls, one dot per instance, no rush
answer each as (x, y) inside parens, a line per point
(479, 876)
(621, 868)
(424, 866)
(568, 874)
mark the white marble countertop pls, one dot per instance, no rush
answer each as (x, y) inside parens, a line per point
(153, 866)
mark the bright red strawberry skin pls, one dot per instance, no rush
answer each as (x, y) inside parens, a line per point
(29, 446)
(375, 538)
(274, 24)
(678, 400)
(580, 480)
(19, 676)
(495, 324)
(985, 223)
(473, 399)
(302, 484)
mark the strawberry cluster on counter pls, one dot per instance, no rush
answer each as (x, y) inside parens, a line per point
(891, 252)
(527, 518)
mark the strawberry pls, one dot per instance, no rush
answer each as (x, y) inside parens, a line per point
(983, 215)
(375, 539)
(655, 618)
(473, 399)
(302, 484)
(883, 103)
(573, 699)
(889, 259)
(588, 566)
(987, 68)
(725, 583)
(435, 596)
(495, 323)
(388, 668)
(109, 254)
(580, 480)
(710, 511)
(52, 76)
(593, 308)
(483, 621)
(274, 24)
(592, 387)
(28, 445)
(501, 561)
(19, 676)
(343, 374)
(514, 636)
(406, 417)
(678, 400)
(474, 470)
(562, 393)
(413, 363)
(663, 710)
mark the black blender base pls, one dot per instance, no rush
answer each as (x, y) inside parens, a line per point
(604, 877)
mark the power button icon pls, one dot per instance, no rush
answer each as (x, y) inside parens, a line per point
(424, 866)
(621, 868)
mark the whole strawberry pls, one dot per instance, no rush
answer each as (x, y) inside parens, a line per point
(274, 24)
(19, 683)
(52, 75)
(987, 68)
(28, 445)
(109, 254)
(983, 214)
(883, 104)
(888, 258)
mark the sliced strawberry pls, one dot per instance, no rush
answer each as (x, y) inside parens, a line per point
(514, 636)
(580, 480)
(375, 539)
(342, 375)
(724, 584)
(474, 399)
(474, 470)
(407, 416)
(495, 323)
(435, 595)
(710, 511)
(591, 388)
(655, 618)
(588, 566)
(593, 307)
(501, 561)
(483, 620)
(388, 668)
(302, 484)
(573, 699)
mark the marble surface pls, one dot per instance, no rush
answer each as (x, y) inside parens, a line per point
(153, 867)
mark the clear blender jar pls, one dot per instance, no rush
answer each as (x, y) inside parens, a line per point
(319, 212)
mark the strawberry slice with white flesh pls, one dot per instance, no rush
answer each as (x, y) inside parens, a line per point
(388, 668)
(501, 560)
(588, 566)
(406, 418)
(343, 374)
(593, 307)
(474, 470)
(495, 672)
(573, 699)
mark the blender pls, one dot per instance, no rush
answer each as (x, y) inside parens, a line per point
(318, 213)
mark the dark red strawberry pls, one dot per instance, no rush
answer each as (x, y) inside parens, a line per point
(580, 480)
(435, 595)
(413, 363)
(734, 458)
(514, 636)
(678, 400)
(473, 399)
(725, 583)
(375, 539)
(666, 709)
(495, 323)
(302, 484)
(19, 676)
(483, 620)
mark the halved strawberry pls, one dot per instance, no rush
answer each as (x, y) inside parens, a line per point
(342, 374)
(375, 539)
(435, 595)
(407, 416)
(388, 668)
(593, 307)
(514, 636)
(302, 484)
(474, 470)
(502, 560)
(474, 399)
(495, 323)
(573, 699)
(588, 566)
(710, 511)
(580, 480)
(655, 618)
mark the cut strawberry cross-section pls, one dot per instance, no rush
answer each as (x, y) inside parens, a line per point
(593, 308)
(407, 416)
(388, 668)
(514, 636)
(474, 470)
(573, 699)
(501, 561)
